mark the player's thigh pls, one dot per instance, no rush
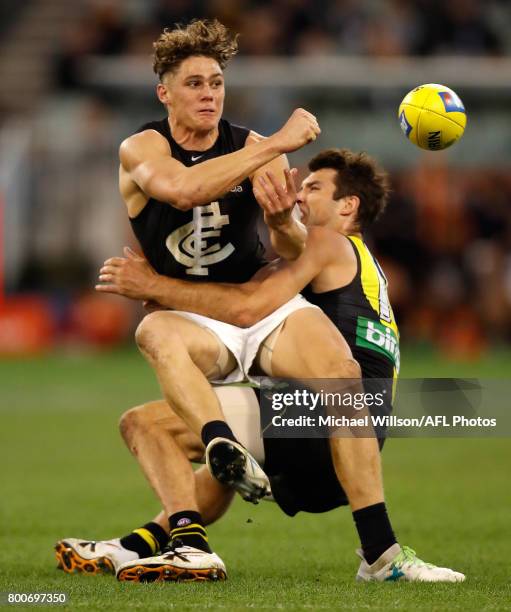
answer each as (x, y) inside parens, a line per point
(309, 345)
(240, 407)
(166, 331)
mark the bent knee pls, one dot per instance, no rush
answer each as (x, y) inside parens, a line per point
(142, 418)
(343, 368)
(154, 333)
(350, 369)
(150, 421)
(130, 422)
(147, 332)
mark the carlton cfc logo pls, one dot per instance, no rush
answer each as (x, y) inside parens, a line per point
(189, 243)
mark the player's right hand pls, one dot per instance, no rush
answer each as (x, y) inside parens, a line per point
(300, 129)
(276, 200)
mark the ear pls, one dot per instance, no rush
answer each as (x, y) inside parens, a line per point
(350, 205)
(162, 93)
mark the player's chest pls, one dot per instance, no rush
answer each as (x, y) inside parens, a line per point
(211, 234)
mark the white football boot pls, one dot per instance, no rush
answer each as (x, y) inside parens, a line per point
(401, 563)
(231, 464)
(87, 556)
(178, 563)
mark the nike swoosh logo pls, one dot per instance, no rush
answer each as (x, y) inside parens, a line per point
(196, 157)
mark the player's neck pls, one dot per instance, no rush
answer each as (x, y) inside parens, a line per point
(347, 228)
(344, 229)
(192, 140)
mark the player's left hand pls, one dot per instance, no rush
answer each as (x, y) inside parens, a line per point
(131, 276)
(276, 201)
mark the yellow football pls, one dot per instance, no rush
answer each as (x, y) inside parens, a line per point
(432, 117)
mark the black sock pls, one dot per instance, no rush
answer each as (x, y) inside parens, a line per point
(187, 526)
(374, 530)
(147, 540)
(216, 429)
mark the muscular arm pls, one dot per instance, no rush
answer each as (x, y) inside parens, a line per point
(287, 234)
(289, 239)
(241, 305)
(146, 160)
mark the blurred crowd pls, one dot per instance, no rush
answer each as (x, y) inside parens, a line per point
(288, 27)
(445, 244)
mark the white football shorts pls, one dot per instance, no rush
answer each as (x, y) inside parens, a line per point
(244, 343)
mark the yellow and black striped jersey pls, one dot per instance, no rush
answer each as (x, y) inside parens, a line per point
(362, 312)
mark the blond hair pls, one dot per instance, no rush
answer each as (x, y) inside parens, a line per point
(200, 37)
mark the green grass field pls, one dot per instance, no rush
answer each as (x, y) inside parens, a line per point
(66, 473)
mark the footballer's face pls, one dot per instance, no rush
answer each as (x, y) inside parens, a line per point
(316, 198)
(194, 93)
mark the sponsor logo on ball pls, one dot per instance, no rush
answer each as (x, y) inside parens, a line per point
(405, 126)
(434, 140)
(452, 102)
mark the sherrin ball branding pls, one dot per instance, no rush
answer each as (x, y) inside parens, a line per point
(432, 117)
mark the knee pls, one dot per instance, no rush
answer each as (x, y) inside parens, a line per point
(155, 334)
(137, 426)
(339, 368)
(146, 425)
(130, 423)
(350, 368)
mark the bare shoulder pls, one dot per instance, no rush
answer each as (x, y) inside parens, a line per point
(141, 147)
(334, 255)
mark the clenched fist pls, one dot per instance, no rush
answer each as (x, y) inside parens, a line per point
(300, 129)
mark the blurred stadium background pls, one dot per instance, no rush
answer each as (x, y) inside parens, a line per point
(76, 79)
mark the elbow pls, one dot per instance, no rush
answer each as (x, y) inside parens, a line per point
(187, 193)
(244, 318)
(252, 305)
(246, 315)
(181, 197)
(177, 192)
(194, 195)
(182, 202)
(187, 198)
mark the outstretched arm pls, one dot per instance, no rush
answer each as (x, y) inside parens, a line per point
(146, 159)
(241, 305)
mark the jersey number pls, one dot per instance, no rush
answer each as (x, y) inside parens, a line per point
(383, 296)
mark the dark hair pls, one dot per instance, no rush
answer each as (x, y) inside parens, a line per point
(360, 175)
(200, 37)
